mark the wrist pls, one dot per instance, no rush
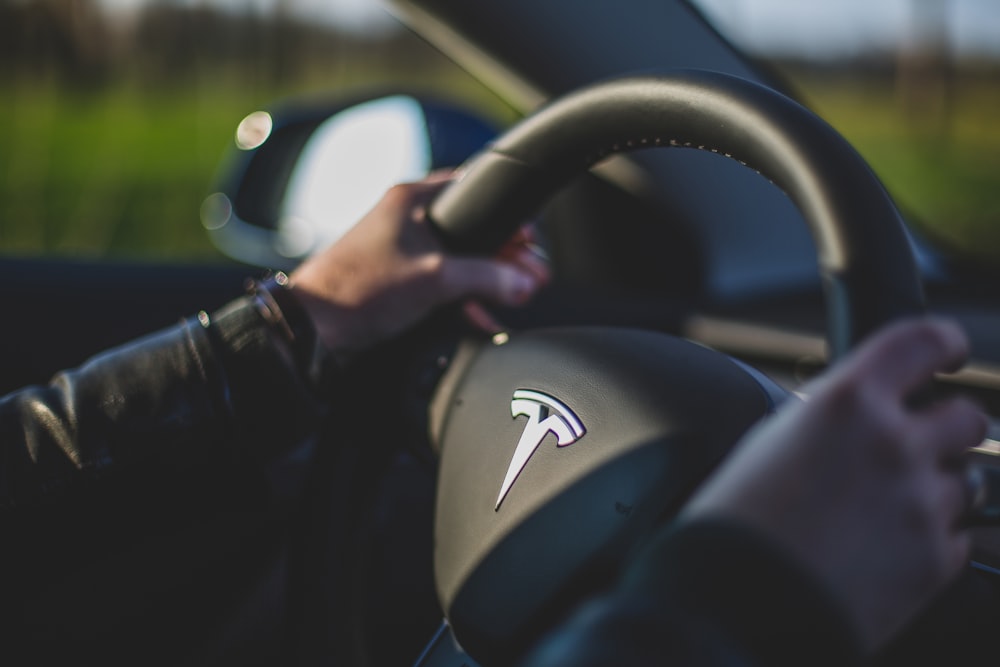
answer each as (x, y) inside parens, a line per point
(283, 311)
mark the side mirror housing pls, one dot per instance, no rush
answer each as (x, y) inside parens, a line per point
(299, 177)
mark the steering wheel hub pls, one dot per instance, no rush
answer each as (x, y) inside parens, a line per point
(581, 441)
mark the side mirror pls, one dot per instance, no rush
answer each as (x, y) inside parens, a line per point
(300, 177)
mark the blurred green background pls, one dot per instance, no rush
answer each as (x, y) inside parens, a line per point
(935, 143)
(114, 125)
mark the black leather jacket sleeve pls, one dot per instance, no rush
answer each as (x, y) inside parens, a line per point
(710, 592)
(219, 386)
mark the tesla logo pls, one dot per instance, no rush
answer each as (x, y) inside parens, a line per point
(545, 415)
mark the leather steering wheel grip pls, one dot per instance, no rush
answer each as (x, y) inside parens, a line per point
(865, 260)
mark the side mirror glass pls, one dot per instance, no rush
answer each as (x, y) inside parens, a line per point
(299, 178)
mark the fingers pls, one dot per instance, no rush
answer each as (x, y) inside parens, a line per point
(418, 194)
(530, 260)
(905, 356)
(945, 431)
(903, 359)
(482, 319)
(524, 259)
(518, 271)
(524, 236)
(491, 279)
(434, 181)
(950, 428)
(440, 176)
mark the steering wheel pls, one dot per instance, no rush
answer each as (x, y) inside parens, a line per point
(561, 449)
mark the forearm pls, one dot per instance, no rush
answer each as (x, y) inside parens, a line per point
(187, 394)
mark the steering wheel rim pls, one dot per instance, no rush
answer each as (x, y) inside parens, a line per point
(661, 436)
(865, 261)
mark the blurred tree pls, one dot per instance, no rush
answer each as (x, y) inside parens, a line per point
(169, 42)
(925, 80)
(64, 38)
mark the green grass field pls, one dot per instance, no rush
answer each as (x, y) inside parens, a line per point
(122, 172)
(944, 166)
(117, 173)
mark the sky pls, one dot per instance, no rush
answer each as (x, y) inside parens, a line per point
(354, 14)
(800, 27)
(817, 27)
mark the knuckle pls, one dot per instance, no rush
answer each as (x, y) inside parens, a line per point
(437, 273)
(873, 422)
(839, 397)
(434, 265)
(399, 195)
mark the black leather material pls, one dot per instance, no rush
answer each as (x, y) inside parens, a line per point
(141, 502)
(864, 254)
(181, 394)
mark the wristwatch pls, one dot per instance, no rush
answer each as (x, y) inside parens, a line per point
(276, 302)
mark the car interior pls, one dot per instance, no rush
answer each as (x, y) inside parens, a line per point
(379, 543)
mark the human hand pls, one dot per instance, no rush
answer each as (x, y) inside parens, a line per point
(864, 488)
(389, 270)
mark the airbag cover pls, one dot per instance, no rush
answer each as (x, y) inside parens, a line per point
(612, 429)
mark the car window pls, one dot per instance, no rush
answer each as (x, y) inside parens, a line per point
(914, 84)
(116, 113)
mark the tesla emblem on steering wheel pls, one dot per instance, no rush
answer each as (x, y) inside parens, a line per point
(545, 415)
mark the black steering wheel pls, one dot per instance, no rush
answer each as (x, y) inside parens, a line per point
(560, 449)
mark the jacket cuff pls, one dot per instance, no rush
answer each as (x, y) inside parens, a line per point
(742, 585)
(270, 402)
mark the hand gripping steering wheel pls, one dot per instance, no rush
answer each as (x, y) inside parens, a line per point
(562, 448)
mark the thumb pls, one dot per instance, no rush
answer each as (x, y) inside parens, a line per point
(487, 278)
